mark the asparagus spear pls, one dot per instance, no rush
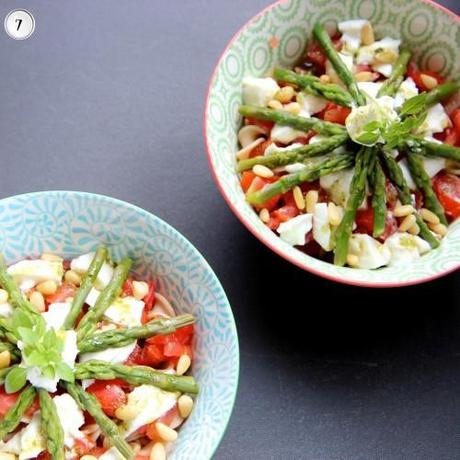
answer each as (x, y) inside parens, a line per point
(334, 163)
(51, 426)
(283, 117)
(136, 375)
(377, 181)
(396, 176)
(89, 322)
(85, 287)
(357, 194)
(441, 150)
(13, 417)
(295, 155)
(88, 402)
(313, 85)
(342, 71)
(390, 86)
(121, 337)
(423, 182)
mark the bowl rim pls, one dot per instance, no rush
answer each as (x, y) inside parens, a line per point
(196, 253)
(280, 252)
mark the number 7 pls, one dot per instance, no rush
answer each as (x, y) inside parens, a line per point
(20, 22)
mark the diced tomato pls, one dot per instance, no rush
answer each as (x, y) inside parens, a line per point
(335, 113)
(447, 188)
(416, 75)
(7, 401)
(110, 396)
(246, 180)
(84, 445)
(322, 194)
(149, 301)
(365, 223)
(128, 287)
(97, 451)
(33, 407)
(141, 457)
(66, 264)
(450, 136)
(391, 226)
(259, 150)
(152, 355)
(288, 199)
(259, 183)
(316, 55)
(273, 223)
(45, 455)
(265, 125)
(285, 213)
(304, 139)
(135, 357)
(64, 291)
(455, 117)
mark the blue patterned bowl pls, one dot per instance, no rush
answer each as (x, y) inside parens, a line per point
(72, 223)
(277, 36)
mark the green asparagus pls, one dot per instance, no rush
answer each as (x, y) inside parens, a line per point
(121, 337)
(341, 69)
(313, 85)
(356, 197)
(377, 181)
(423, 183)
(391, 86)
(334, 163)
(13, 417)
(395, 174)
(88, 402)
(85, 287)
(51, 426)
(89, 322)
(441, 150)
(297, 155)
(283, 117)
(136, 375)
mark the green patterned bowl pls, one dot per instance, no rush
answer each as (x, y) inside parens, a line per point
(430, 31)
(72, 223)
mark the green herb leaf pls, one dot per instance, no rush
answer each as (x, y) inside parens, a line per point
(65, 372)
(48, 371)
(414, 105)
(368, 138)
(15, 380)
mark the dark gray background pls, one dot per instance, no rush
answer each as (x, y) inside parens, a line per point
(107, 97)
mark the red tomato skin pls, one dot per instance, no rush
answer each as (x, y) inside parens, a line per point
(149, 302)
(285, 213)
(257, 184)
(110, 396)
(365, 223)
(263, 124)
(335, 113)
(127, 289)
(84, 445)
(7, 401)
(447, 188)
(246, 180)
(259, 150)
(65, 290)
(415, 73)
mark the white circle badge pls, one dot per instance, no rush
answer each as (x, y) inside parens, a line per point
(19, 24)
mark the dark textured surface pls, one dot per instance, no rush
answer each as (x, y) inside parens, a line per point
(107, 97)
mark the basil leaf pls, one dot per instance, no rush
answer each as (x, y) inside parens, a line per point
(65, 372)
(414, 105)
(15, 380)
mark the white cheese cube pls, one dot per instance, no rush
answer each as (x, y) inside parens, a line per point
(366, 54)
(82, 263)
(407, 90)
(337, 185)
(6, 309)
(348, 61)
(351, 33)
(111, 355)
(71, 418)
(294, 230)
(259, 91)
(56, 314)
(321, 229)
(32, 272)
(126, 311)
(370, 88)
(405, 247)
(371, 254)
(285, 134)
(310, 104)
(273, 148)
(436, 121)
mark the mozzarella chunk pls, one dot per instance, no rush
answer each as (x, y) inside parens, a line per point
(56, 314)
(28, 442)
(82, 263)
(366, 54)
(6, 309)
(406, 90)
(337, 185)
(149, 403)
(273, 148)
(112, 454)
(111, 355)
(310, 104)
(321, 228)
(384, 69)
(294, 167)
(371, 88)
(405, 247)
(259, 91)
(436, 121)
(371, 254)
(294, 230)
(71, 418)
(28, 273)
(433, 165)
(406, 173)
(92, 296)
(347, 60)
(285, 134)
(318, 138)
(351, 33)
(126, 311)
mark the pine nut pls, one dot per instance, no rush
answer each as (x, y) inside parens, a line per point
(292, 107)
(352, 260)
(136, 446)
(88, 457)
(243, 154)
(274, 104)
(183, 364)
(403, 210)
(440, 229)
(414, 230)
(51, 257)
(386, 56)
(364, 76)
(333, 214)
(264, 215)
(37, 300)
(3, 296)
(185, 405)
(325, 78)
(407, 223)
(166, 434)
(5, 359)
(429, 81)
(7, 456)
(140, 289)
(158, 452)
(285, 94)
(429, 216)
(367, 34)
(72, 277)
(47, 287)
(126, 413)
(311, 198)
(298, 197)
(262, 171)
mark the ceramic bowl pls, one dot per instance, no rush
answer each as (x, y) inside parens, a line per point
(277, 37)
(72, 223)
